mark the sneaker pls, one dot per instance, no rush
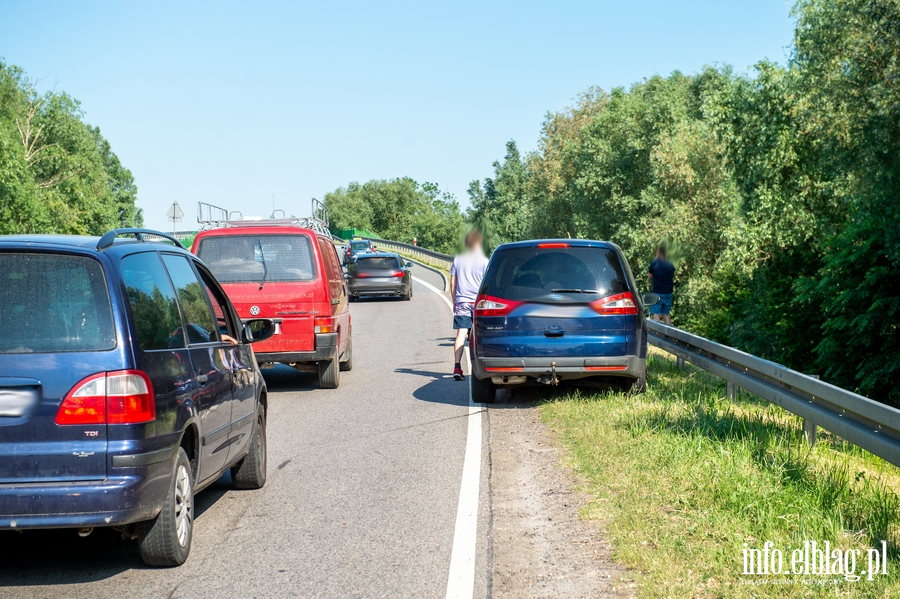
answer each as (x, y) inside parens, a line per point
(458, 374)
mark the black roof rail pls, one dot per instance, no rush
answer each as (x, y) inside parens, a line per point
(109, 238)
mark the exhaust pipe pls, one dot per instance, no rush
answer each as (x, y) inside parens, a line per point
(85, 532)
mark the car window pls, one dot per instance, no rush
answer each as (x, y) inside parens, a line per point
(153, 303)
(528, 273)
(219, 305)
(332, 265)
(199, 321)
(381, 263)
(258, 258)
(359, 245)
(53, 303)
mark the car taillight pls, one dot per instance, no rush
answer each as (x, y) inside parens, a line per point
(553, 245)
(621, 303)
(121, 397)
(487, 305)
(397, 273)
(324, 324)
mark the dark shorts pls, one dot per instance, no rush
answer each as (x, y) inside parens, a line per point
(462, 322)
(664, 305)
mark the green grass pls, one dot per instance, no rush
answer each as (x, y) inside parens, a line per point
(681, 478)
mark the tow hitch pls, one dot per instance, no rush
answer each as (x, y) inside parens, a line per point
(549, 379)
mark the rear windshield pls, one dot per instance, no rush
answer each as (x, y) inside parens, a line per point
(377, 263)
(255, 258)
(359, 245)
(53, 303)
(529, 273)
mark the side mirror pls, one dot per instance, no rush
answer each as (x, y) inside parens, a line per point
(258, 329)
(650, 299)
(409, 265)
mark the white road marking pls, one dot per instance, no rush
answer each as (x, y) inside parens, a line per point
(461, 579)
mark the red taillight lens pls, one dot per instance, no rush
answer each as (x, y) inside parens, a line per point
(397, 273)
(553, 245)
(121, 397)
(487, 305)
(324, 324)
(621, 303)
(85, 403)
(129, 398)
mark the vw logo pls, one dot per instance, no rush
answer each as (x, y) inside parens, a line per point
(254, 310)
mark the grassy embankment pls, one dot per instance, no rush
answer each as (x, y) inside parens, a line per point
(681, 478)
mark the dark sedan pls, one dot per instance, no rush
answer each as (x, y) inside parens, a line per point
(380, 274)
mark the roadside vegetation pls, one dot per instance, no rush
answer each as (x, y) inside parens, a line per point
(400, 210)
(58, 174)
(682, 477)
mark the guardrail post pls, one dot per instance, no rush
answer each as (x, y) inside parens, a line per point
(731, 391)
(680, 362)
(810, 430)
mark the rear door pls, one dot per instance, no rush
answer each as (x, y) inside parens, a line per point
(550, 291)
(376, 270)
(57, 329)
(241, 362)
(212, 357)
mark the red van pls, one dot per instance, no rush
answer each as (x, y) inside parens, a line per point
(286, 270)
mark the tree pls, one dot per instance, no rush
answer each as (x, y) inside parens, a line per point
(57, 174)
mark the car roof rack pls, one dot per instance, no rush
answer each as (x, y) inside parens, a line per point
(110, 237)
(213, 217)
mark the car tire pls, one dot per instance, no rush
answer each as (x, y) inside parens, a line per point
(330, 373)
(639, 385)
(250, 472)
(408, 296)
(347, 364)
(483, 390)
(165, 541)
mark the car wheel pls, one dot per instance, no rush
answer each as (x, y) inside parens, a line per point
(483, 391)
(250, 472)
(330, 373)
(166, 540)
(408, 296)
(347, 364)
(639, 385)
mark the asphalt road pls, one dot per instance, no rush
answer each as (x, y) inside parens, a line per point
(362, 492)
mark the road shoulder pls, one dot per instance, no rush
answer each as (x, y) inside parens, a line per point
(540, 547)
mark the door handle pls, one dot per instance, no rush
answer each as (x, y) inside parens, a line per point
(202, 378)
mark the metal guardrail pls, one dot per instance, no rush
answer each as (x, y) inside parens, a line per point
(864, 422)
(430, 257)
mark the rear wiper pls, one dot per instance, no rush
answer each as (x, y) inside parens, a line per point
(262, 253)
(574, 291)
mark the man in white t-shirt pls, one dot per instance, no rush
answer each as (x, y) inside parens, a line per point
(465, 281)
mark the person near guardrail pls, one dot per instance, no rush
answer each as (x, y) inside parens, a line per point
(662, 277)
(466, 273)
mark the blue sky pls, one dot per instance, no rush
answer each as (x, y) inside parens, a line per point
(232, 102)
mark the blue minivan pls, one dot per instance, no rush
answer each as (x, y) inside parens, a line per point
(127, 384)
(558, 310)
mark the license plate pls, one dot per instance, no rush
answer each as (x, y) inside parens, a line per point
(14, 403)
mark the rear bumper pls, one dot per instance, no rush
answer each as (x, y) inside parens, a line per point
(326, 349)
(364, 287)
(115, 501)
(567, 369)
